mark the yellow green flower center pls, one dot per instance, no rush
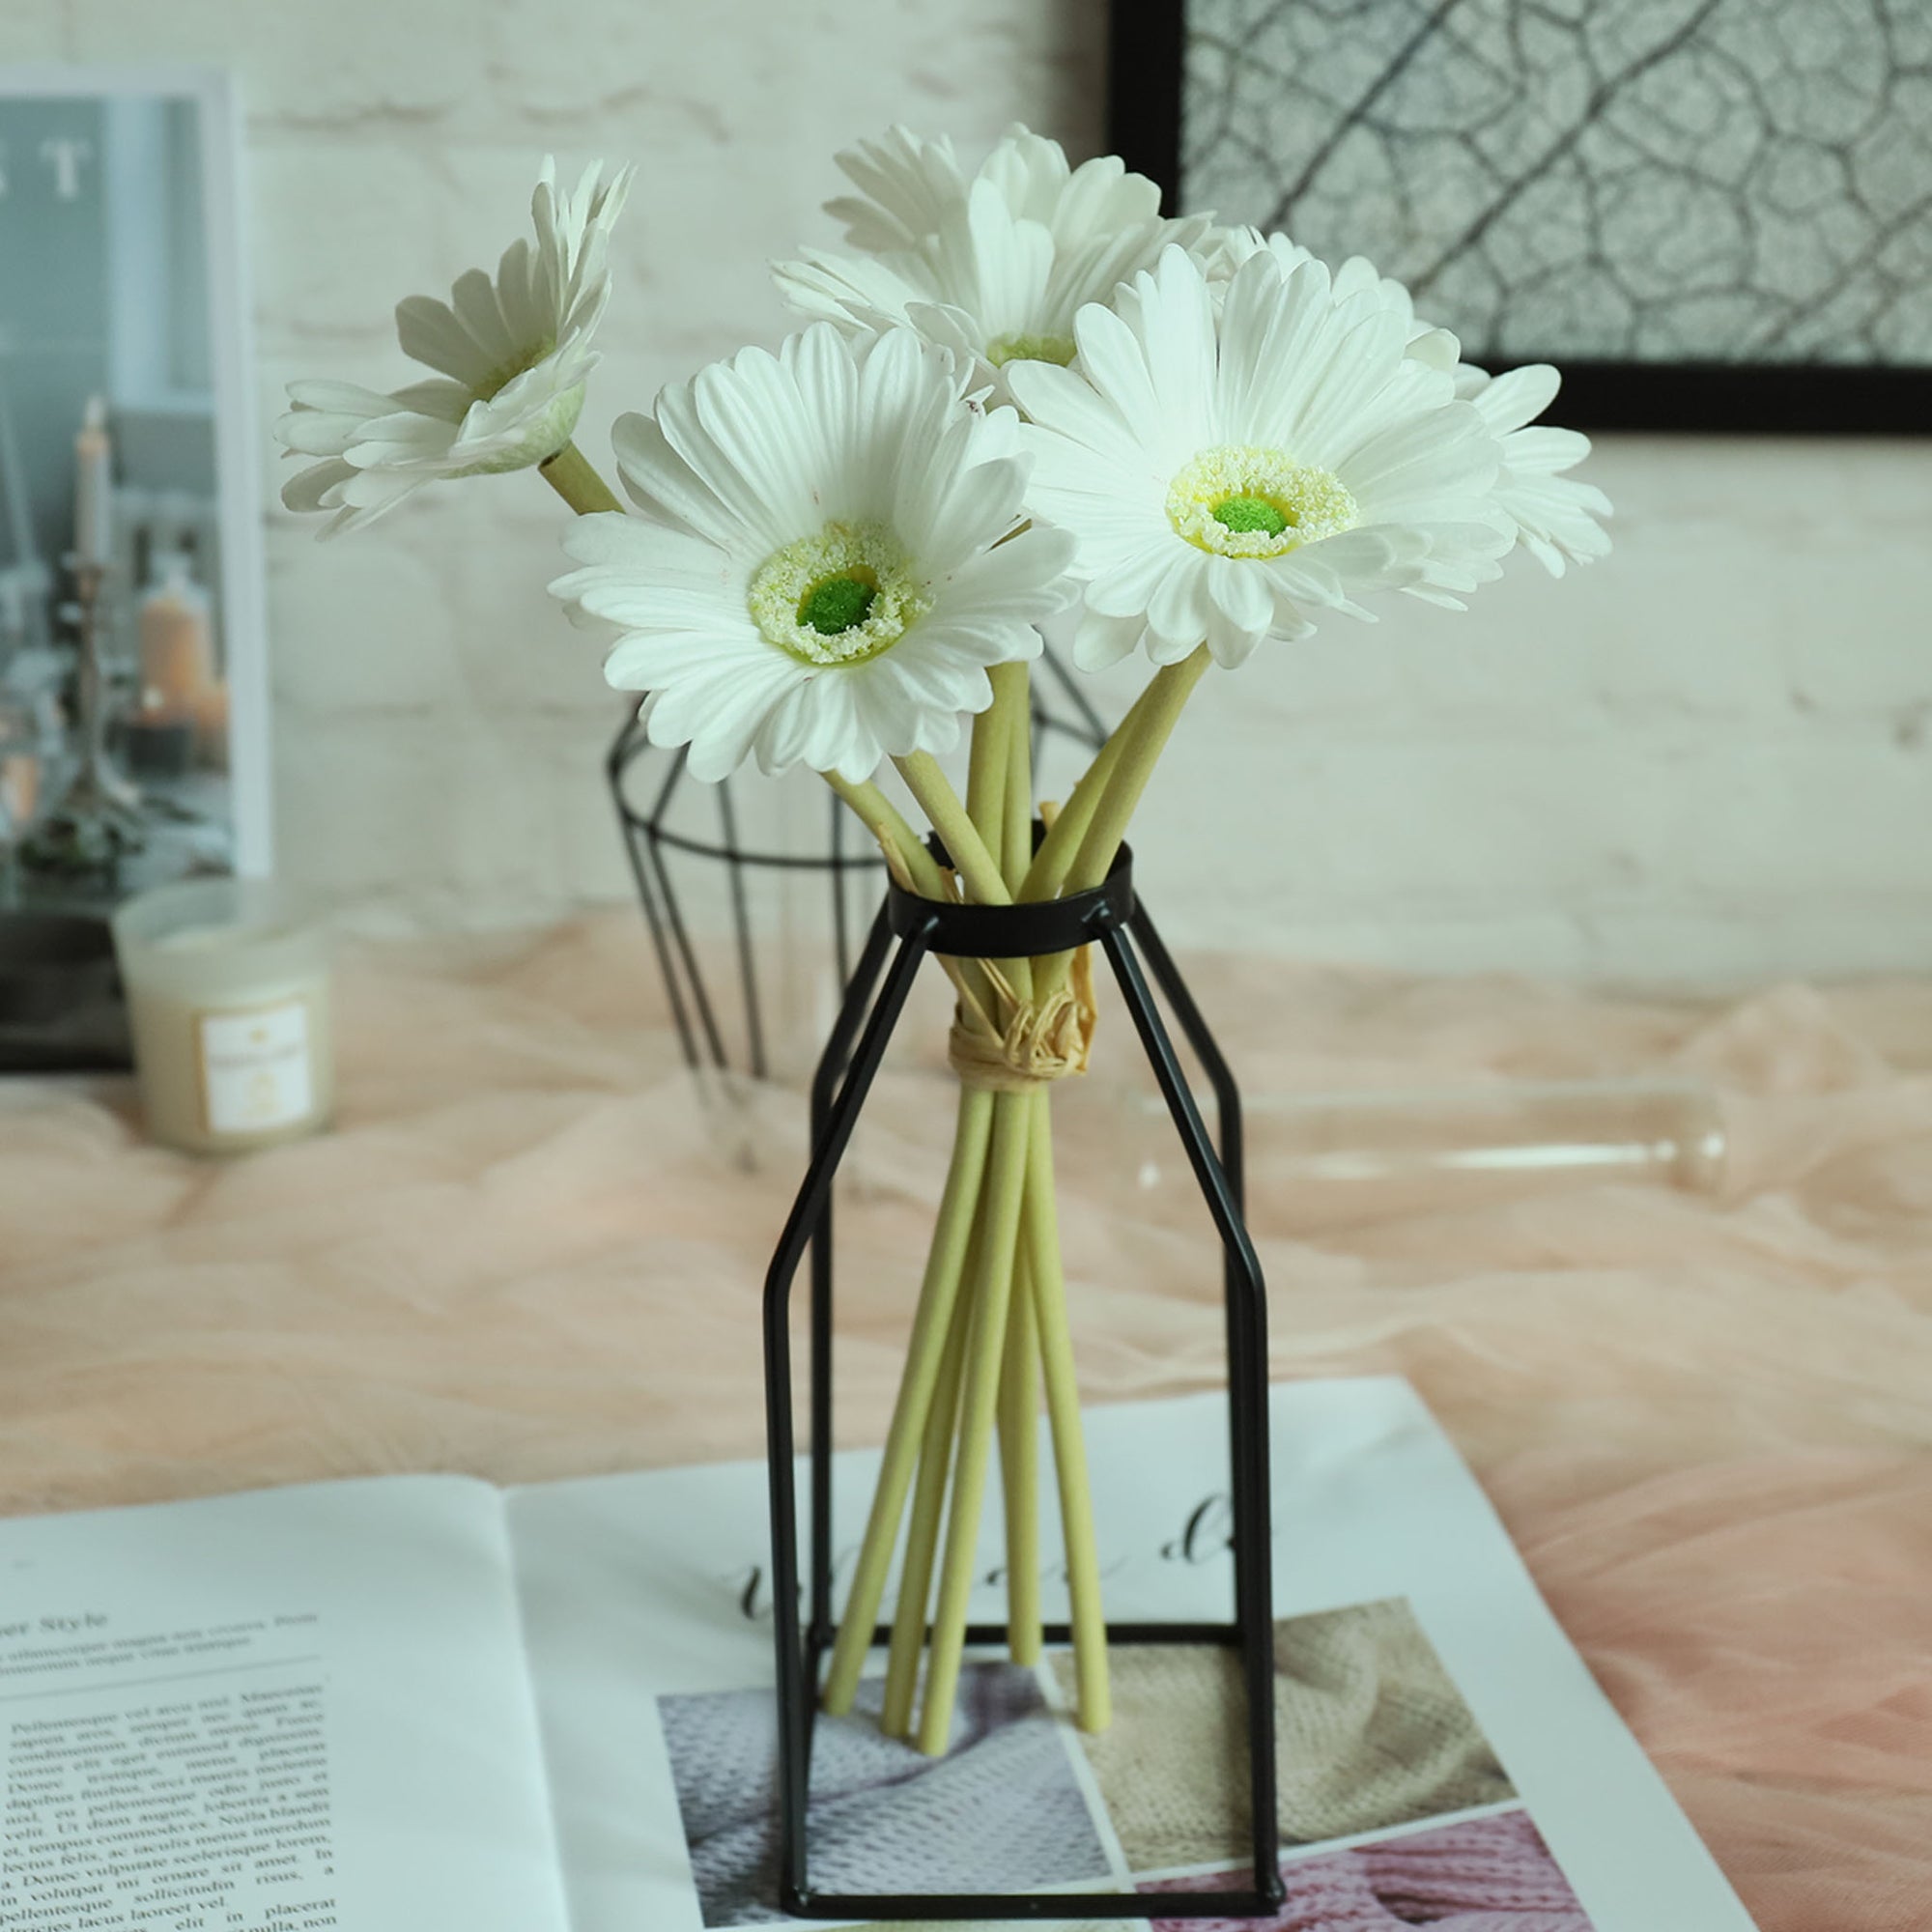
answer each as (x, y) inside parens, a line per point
(835, 603)
(1005, 349)
(1239, 501)
(838, 597)
(1241, 514)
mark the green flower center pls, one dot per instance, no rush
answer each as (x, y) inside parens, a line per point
(835, 603)
(1239, 501)
(1005, 349)
(1251, 513)
(841, 596)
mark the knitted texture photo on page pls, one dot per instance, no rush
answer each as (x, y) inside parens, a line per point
(1483, 1875)
(1370, 1733)
(1000, 1813)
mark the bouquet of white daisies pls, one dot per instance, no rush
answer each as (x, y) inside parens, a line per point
(1023, 388)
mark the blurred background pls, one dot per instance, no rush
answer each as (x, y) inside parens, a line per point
(1707, 759)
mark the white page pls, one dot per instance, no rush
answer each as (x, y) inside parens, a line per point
(266, 1712)
(637, 1588)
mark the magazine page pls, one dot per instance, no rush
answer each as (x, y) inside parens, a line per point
(293, 1709)
(1444, 1754)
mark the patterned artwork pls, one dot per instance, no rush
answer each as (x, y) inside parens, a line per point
(1626, 181)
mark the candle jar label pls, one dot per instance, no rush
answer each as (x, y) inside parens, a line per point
(255, 1068)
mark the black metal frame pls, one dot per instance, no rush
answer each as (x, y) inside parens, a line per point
(1147, 51)
(1110, 916)
(849, 855)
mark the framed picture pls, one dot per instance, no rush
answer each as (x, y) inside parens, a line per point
(1712, 214)
(134, 680)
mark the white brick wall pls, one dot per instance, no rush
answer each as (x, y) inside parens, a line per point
(1710, 757)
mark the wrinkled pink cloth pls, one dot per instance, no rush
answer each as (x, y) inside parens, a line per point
(528, 1251)
(1487, 1875)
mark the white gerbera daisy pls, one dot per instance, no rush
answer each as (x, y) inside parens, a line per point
(827, 562)
(1230, 473)
(513, 355)
(1555, 516)
(995, 266)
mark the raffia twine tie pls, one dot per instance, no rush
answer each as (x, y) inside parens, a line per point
(1036, 1044)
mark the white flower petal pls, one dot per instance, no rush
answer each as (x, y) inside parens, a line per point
(430, 333)
(310, 488)
(1101, 641)
(474, 299)
(1179, 612)
(648, 662)
(1129, 589)
(1516, 397)
(905, 184)
(1113, 361)
(1239, 607)
(661, 481)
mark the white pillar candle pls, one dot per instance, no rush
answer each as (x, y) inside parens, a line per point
(228, 998)
(94, 484)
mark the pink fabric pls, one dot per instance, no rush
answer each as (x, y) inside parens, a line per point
(529, 1253)
(1487, 1875)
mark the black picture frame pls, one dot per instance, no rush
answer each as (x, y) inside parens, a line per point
(1146, 52)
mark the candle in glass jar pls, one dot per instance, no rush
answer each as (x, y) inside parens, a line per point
(228, 1000)
(176, 648)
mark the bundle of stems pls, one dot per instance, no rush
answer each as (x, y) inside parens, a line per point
(990, 1330)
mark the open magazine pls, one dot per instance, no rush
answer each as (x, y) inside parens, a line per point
(404, 1704)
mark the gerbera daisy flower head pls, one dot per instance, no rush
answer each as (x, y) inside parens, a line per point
(994, 266)
(1234, 470)
(512, 353)
(831, 551)
(1555, 515)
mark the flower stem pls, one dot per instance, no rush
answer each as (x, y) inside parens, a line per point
(574, 478)
(1170, 689)
(946, 1262)
(928, 1508)
(999, 766)
(968, 850)
(1153, 720)
(986, 770)
(1016, 853)
(1019, 1378)
(1047, 872)
(896, 838)
(1047, 1289)
(1004, 1193)
(1019, 1465)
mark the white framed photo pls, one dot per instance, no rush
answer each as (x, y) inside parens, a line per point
(134, 735)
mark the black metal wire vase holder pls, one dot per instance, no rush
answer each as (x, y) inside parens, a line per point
(1111, 917)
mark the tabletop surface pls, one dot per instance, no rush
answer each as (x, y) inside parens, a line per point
(532, 1248)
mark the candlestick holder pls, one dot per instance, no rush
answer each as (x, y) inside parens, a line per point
(97, 817)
